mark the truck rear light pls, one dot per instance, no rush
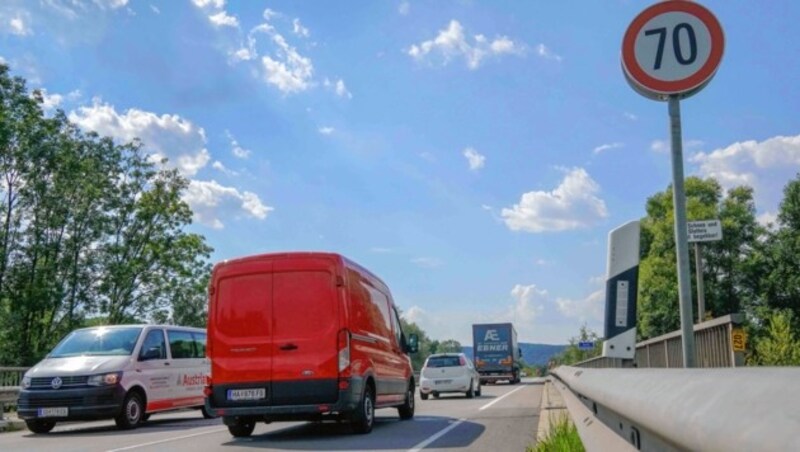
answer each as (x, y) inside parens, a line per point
(344, 350)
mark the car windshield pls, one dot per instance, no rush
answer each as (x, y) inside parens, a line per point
(443, 361)
(98, 341)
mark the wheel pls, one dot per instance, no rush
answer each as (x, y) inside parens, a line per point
(40, 426)
(132, 411)
(145, 417)
(206, 414)
(406, 410)
(435, 395)
(423, 396)
(471, 390)
(364, 416)
(242, 428)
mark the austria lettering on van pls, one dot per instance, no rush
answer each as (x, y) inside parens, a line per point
(192, 380)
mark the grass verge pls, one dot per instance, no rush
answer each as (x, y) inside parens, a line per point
(563, 437)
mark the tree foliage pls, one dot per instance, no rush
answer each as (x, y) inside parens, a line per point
(779, 346)
(573, 354)
(88, 229)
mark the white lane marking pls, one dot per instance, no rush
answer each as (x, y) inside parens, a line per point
(499, 399)
(153, 443)
(436, 436)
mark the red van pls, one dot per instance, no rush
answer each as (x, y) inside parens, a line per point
(304, 336)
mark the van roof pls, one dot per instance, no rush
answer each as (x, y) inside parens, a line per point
(295, 254)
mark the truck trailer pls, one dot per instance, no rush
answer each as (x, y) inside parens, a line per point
(496, 353)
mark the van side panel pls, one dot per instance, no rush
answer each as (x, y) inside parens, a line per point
(370, 323)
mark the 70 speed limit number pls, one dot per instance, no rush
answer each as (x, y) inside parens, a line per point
(672, 48)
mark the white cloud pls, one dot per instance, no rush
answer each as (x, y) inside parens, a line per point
(766, 166)
(299, 29)
(590, 308)
(155, 9)
(427, 262)
(404, 8)
(525, 309)
(219, 166)
(212, 3)
(630, 116)
(170, 136)
(269, 14)
(51, 101)
(237, 150)
(451, 43)
(768, 219)
(659, 146)
(211, 201)
(338, 87)
(18, 25)
(222, 19)
(326, 130)
(606, 147)
(544, 52)
(291, 72)
(573, 204)
(476, 160)
(113, 4)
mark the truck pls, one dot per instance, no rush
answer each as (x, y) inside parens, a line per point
(496, 353)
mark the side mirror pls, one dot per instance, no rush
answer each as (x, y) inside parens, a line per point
(413, 343)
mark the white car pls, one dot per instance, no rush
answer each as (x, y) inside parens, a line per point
(449, 372)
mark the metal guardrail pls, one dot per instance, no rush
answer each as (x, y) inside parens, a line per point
(714, 347)
(10, 380)
(722, 409)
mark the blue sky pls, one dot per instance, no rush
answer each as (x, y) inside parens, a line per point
(474, 155)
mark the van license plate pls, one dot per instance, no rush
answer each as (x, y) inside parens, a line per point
(54, 412)
(247, 394)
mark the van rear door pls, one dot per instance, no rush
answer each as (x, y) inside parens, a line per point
(305, 310)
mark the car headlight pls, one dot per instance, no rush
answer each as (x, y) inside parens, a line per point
(104, 379)
(26, 382)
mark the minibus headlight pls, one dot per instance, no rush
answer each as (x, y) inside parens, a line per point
(104, 379)
(26, 382)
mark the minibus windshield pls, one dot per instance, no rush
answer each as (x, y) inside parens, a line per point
(98, 341)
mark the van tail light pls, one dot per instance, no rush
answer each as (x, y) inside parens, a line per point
(343, 344)
(461, 361)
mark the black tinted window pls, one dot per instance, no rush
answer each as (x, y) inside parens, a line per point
(154, 346)
(443, 361)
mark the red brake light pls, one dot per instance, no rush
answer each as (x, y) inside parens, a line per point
(462, 361)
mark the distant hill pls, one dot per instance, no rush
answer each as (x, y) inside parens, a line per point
(538, 354)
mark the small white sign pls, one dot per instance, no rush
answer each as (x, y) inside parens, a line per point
(705, 231)
(621, 318)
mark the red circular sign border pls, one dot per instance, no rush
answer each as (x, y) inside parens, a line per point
(638, 75)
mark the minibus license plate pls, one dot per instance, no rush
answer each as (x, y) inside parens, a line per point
(247, 394)
(54, 412)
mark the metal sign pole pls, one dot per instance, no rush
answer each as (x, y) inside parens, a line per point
(681, 234)
(701, 296)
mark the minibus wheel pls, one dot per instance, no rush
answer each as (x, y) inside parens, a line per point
(406, 410)
(40, 426)
(132, 411)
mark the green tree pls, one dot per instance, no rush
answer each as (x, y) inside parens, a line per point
(779, 346)
(89, 230)
(573, 354)
(449, 346)
(729, 277)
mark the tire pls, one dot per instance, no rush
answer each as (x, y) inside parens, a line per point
(242, 429)
(423, 396)
(145, 417)
(40, 426)
(364, 416)
(478, 392)
(206, 414)
(406, 410)
(471, 390)
(435, 395)
(132, 411)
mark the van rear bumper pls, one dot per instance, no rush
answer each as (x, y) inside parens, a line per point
(347, 402)
(100, 402)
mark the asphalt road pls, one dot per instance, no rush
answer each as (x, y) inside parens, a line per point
(503, 418)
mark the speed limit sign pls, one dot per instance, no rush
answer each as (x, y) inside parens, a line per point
(672, 48)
